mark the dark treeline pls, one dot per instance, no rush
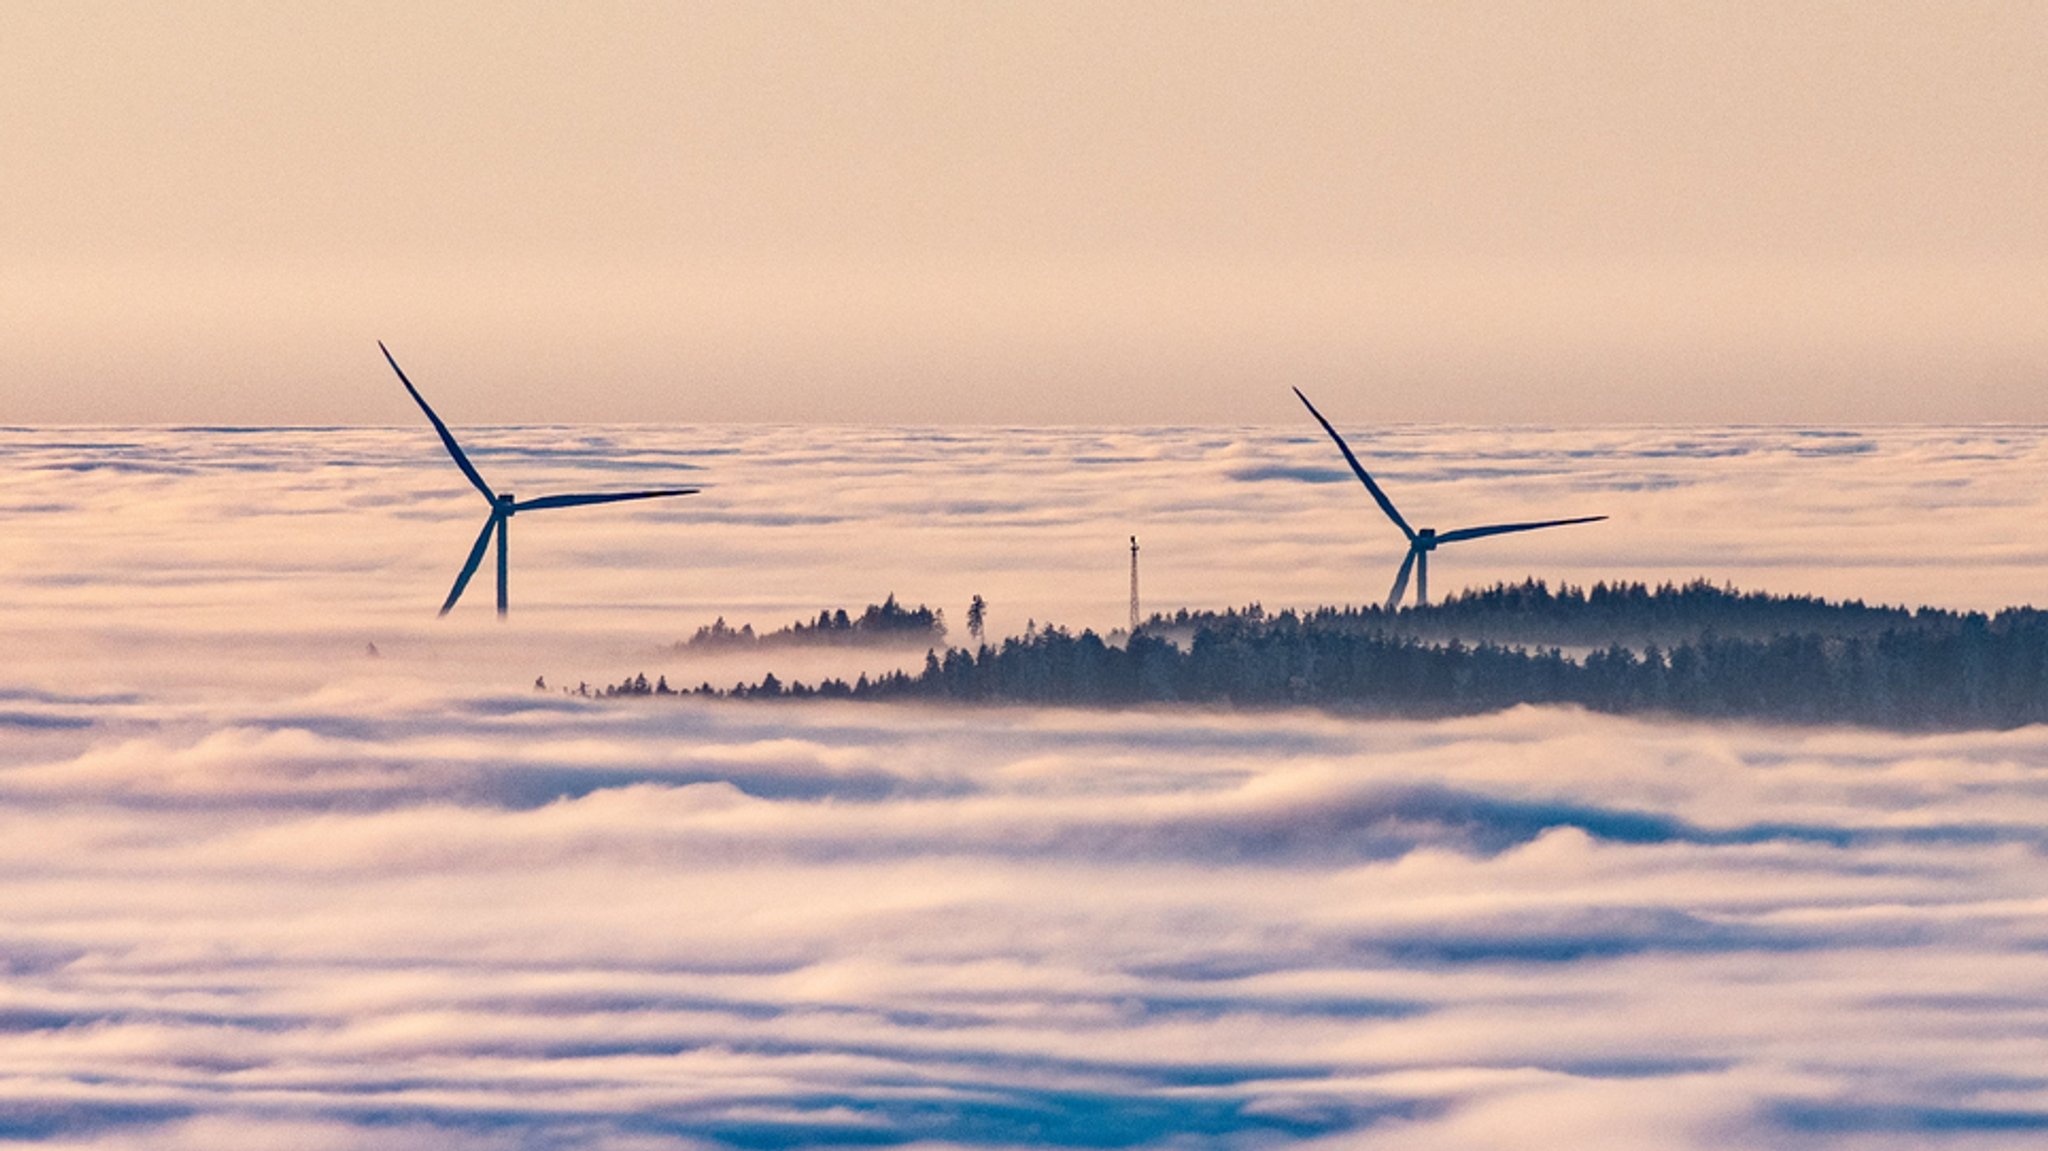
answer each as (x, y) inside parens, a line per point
(1630, 614)
(1881, 667)
(887, 622)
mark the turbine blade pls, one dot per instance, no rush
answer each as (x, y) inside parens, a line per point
(1401, 581)
(597, 498)
(1386, 505)
(454, 449)
(469, 566)
(1503, 529)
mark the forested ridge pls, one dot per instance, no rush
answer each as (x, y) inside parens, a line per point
(1692, 649)
(887, 622)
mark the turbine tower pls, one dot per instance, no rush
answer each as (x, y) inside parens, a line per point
(503, 506)
(1134, 585)
(1426, 540)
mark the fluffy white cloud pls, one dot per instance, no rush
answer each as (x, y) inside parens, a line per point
(265, 890)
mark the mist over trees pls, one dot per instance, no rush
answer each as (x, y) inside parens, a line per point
(887, 622)
(1687, 650)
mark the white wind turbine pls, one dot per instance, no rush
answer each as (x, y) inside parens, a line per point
(503, 506)
(1426, 540)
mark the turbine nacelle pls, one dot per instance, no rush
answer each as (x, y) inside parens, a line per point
(1422, 541)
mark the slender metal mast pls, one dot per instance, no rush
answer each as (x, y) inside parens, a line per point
(1134, 585)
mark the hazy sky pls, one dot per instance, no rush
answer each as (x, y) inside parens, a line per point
(1035, 213)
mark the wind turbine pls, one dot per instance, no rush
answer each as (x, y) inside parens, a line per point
(1426, 540)
(503, 506)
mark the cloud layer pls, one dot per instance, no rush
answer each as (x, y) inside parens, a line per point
(263, 890)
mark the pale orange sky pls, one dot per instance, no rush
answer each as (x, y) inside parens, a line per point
(1024, 213)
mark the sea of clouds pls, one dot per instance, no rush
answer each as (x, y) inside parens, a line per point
(260, 888)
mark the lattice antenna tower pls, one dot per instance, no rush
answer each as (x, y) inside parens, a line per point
(1134, 585)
